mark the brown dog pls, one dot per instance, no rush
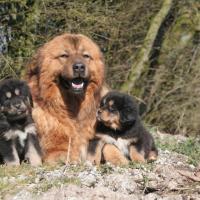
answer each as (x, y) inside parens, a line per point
(66, 78)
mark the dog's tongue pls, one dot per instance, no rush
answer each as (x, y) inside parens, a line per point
(77, 85)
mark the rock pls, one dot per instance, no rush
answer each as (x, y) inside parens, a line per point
(137, 175)
(175, 197)
(73, 192)
(151, 196)
(88, 179)
(172, 185)
(121, 183)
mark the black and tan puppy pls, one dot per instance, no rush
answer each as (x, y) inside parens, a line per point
(18, 136)
(119, 124)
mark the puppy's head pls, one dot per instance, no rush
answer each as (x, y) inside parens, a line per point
(15, 99)
(117, 111)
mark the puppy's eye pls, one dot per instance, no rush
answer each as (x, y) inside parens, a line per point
(112, 110)
(8, 95)
(87, 56)
(64, 55)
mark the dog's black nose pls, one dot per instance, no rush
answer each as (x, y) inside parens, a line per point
(79, 67)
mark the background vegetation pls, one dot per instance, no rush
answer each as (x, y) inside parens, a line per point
(168, 87)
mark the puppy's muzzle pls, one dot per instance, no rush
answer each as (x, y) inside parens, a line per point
(98, 114)
(18, 104)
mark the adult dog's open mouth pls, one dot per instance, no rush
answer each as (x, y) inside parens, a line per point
(76, 85)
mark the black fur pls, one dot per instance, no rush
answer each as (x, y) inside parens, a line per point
(17, 129)
(93, 145)
(131, 125)
(4, 125)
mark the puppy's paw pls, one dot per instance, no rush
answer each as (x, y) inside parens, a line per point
(35, 161)
(12, 163)
(153, 155)
(94, 159)
(136, 156)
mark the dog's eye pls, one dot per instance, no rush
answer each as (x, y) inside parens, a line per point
(64, 55)
(86, 55)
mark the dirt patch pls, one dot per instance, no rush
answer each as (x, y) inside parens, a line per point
(168, 178)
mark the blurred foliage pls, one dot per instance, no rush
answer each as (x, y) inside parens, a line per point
(170, 86)
(117, 26)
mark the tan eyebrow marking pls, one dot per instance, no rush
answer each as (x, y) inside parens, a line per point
(17, 92)
(111, 102)
(8, 95)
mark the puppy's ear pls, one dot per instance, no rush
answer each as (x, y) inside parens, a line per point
(129, 112)
(128, 116)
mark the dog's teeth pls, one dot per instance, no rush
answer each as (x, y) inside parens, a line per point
(77, 86)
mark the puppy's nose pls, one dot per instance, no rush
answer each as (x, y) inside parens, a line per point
(99, 111)
(18, 105)
(79, 67)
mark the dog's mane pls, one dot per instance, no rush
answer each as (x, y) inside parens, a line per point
(59, 113)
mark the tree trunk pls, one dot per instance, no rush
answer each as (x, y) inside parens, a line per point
(143, 58)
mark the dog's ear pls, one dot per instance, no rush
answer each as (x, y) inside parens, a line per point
(129, 112)
(33, 65)
(127, 116)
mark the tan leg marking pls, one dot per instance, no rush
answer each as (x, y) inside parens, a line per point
(135, 155)
(113, 155)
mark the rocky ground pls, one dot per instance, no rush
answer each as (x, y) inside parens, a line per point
(171, 177)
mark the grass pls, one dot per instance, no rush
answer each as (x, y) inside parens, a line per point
(10, 181)
(189, 147)
(105, 169)
(13, 179)
(46, 185)
(144, 166)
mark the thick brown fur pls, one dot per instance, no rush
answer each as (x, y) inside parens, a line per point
(65, 120)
